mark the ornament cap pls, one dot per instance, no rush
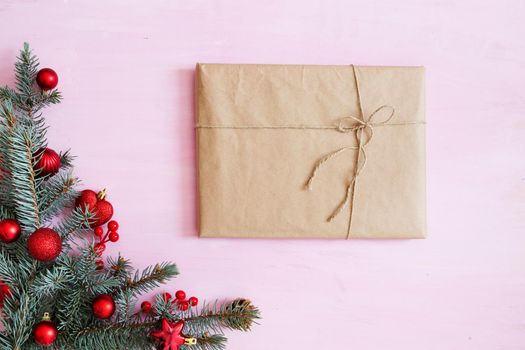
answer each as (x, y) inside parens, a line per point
(46, 317)
(190, 341)
(102, 194)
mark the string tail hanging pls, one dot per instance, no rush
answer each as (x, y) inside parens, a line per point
(321, 162)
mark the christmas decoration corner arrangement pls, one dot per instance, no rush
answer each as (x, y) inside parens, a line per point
(57, 289)
(309, 151)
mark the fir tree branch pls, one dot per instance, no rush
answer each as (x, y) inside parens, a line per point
(5, 212)
(24, 144)
(134, 335)
(58, 192)
(66, 286)
(49, 282)
(26, 69)
(78, 220)
(237, 315)
(150, 278)
(66, 159)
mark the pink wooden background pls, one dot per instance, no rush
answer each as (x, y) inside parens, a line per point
(126, 71)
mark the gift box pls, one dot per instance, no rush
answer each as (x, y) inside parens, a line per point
(306, 151)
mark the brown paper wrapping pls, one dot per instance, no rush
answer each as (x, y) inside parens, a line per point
(252, 180)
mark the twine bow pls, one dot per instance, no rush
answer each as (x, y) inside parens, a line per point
(363, 130)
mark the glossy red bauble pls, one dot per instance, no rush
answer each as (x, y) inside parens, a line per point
(47, 79)
(193, 301)
(44, 244)
(45, 333)
(145, 306)
(97, 204)
(103, 306)
(9, 230)
(49, 162)
(180, 295)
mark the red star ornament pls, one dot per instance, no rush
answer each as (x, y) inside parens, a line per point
(170, 336)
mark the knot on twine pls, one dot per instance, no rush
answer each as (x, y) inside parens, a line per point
(355, 124)
(363, 129)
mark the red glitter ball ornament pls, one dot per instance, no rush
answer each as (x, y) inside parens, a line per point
(49, 162)
(45, 331)
(97, 204)
(103, 306)
(47, 79)
(9, 230)
(44, 244)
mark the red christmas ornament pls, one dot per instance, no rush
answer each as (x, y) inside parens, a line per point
(180, 295)
(47, 79)
(170, 336)
(9, 230)
(44, 244)
(193, 301)
(103, 306)
(113, 225)
(97, 204)
(45, 331)
(145, 306)
(49, 162)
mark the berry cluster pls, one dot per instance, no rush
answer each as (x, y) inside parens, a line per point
(110, 236)
(179, 300)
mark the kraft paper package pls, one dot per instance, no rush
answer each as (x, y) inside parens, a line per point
(306, 151)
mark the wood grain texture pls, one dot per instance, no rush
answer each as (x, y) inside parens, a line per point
(126, 70)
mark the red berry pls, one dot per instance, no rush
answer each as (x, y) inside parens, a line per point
(99, 231)
(113, 236)
(113, 225)
(5, 290)
(166, 296)
(183, 305)
(180, 295)
(145, 306)
(99, 248)
(193, 301)
(100, 264)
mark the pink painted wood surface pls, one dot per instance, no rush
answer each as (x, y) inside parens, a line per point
(126, 71)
